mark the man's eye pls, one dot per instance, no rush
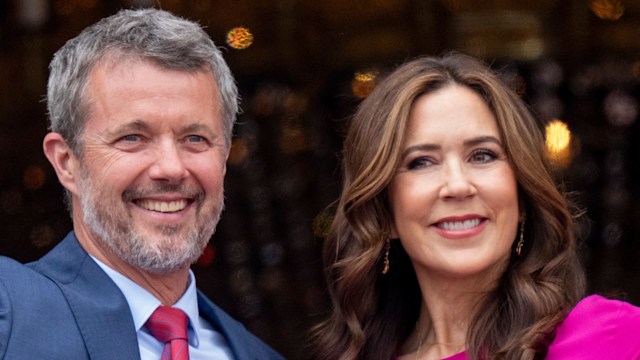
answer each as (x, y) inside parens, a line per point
(131, 137)
(195, 138)
(196, 143)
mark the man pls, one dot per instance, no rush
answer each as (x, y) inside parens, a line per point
(142, 107)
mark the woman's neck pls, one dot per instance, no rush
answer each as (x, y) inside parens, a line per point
(448, 307)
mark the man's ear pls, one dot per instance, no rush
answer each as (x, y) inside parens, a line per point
(62, 159)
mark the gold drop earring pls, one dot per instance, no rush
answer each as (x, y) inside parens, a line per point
(521, 240)
(385, 266)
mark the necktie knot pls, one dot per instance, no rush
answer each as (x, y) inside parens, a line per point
(169, 326)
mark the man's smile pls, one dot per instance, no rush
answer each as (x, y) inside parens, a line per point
(162, 206)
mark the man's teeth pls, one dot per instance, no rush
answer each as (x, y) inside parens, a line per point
(163, 206)
(459, 225)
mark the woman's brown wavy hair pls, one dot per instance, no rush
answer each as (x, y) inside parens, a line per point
(373, 314)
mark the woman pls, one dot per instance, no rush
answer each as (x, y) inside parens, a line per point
(450, 239)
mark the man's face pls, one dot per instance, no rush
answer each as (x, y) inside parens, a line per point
(150, 185)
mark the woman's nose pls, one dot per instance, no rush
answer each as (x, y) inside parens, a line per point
(457, 181)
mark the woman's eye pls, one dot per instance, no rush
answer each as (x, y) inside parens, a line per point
(483, 156)
(419, 163)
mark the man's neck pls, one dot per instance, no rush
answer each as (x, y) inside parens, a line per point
(168, 288)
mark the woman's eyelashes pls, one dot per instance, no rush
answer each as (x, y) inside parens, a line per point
(482, 156)
(420, 162)
(477, 156)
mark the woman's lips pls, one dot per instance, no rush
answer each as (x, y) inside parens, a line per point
(460, 227)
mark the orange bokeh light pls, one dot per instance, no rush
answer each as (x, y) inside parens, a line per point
(363, 83)
(607, 9)
(239, 38)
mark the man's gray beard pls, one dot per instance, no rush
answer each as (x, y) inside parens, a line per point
(125, 242)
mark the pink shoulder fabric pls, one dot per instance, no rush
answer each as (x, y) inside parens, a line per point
(598, 328)
(458, 356)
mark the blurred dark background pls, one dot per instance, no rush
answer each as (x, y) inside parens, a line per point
(302, 67)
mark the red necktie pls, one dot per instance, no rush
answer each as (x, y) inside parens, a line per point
(169, 326)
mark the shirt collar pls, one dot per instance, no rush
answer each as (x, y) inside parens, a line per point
(142, 303)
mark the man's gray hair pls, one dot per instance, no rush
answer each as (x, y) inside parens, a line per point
(148, 34)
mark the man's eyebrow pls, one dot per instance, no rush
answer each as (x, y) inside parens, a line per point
(198, 128)
(140, 125)
(136, 125)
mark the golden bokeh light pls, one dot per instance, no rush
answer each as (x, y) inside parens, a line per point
(558, 136)
(635, 69)
(558, 141)
(294, 139)
(607, 9)
(239, 38)
(33, 177)
(363, 83)
(322, 223)
(42, 236)
(239, 151)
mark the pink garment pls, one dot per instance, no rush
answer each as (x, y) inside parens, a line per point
(458, 356)
(596, 328)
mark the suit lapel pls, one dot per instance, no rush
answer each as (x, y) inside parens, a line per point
(232, 330)
(101, 311)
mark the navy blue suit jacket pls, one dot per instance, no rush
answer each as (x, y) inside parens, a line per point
(64, 306)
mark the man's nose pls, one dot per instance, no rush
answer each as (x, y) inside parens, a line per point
(169, 163)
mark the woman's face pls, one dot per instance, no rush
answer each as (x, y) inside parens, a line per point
(454, 197)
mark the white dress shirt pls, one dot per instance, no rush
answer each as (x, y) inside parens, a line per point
(204, 341)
